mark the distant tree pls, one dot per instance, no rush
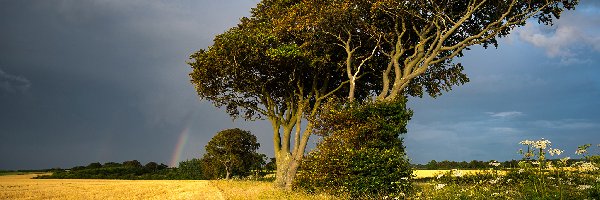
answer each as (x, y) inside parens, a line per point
(112, 164)
(151, 166)
(432, 165)
(258, 165)
(132, 164)
(271, 165)
(94, 165)
(190, 169)
(232, 151)
(162, 166)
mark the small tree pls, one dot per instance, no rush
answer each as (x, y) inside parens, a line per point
(231, 152)
(190, 169)
(132, 164)
(271, 165)
(151, 167)
(361, 153)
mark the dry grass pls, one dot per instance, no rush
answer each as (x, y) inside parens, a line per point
(23, 187)
(246, 190)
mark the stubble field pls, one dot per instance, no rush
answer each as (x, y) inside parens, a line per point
(23, 187)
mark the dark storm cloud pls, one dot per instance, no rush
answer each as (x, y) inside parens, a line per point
(106, 80)
(110, 78)
(11, 83)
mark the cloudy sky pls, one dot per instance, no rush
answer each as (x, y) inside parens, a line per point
(86, 81)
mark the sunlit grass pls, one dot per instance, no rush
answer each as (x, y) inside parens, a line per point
(23, 187)
(245, 190)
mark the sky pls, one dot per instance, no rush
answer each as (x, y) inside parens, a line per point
(86, 81)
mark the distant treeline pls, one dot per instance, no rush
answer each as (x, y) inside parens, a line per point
(474, 164)
(134, 170)
(131, 170)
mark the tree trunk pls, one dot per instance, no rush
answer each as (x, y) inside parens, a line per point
(227, 173)
(287, 167)
(352, 89)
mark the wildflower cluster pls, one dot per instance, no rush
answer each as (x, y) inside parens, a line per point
(494, 163)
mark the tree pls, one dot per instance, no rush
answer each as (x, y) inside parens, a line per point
(290, 56)
(232, 151)
(190, 169)
(271, 166)
(132, 164)
(94, 165)
(257, 74)
(361, 154)
(151, 167)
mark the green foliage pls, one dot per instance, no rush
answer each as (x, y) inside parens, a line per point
(132, 170)
(231, 152)
(271, 165)
(361, 153)
(190, 169)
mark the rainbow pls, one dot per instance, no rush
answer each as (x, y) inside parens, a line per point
(183, 137)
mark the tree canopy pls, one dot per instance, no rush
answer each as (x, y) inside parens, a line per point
(232, 152)
(283, 62)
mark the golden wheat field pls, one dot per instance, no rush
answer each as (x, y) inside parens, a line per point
(23, 187)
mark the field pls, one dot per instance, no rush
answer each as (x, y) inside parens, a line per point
(23, 187)
(15, 186)
(454, 184)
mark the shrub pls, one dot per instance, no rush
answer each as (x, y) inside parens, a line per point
(361, 154)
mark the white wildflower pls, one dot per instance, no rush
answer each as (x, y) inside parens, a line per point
(440, 176)
(521, 170)
(494, 181)
(526, 142)
(535, 162)
(555, 152)
(587, 167)
(583, 187)
(581, 151)
(494, 163)
(541, 144)
(440, 186)
(456, 173)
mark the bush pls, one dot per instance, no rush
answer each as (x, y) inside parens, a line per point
(361, 154)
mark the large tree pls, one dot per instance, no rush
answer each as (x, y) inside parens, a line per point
(256, 73)
(290, 56)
